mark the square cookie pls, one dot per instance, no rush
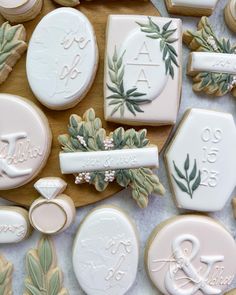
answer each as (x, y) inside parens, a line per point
(143, 69)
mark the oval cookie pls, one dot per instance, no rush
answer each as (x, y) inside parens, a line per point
(62, 58)
(14, 224)
(105, 253)
(185, 255)
(25, 141)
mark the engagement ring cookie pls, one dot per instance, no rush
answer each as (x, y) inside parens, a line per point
(230, 14)
(12, 46)
(139, 49)
(191, 7)
(62, 58)
(212, 63)
(97, 158)
(105, 252)
(14, 224)
(25, 141)
(201, 159)
(53, 212)
(191, 254)
(18, 11)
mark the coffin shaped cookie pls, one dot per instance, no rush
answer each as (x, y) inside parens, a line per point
(191, 7)
(212, 62)
(142, 69)
(62, 58)
(201, 160)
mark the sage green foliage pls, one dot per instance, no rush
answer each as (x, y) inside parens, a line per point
(8, 41)
(212, 83)
(169, 53)
(187, 182)
(122, 99)
(142, 181)
(43, 278)
(6, 269)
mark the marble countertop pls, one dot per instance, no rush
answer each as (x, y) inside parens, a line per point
(159, 209)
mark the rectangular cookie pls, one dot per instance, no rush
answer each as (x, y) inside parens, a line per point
(143, 69)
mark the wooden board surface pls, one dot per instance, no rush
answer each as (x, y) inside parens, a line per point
(97, 11)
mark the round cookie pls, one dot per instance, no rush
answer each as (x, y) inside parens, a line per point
(230, 15)
(25, 141)
(62, 58)
(18, 11)
(105, 253)
(191, 255)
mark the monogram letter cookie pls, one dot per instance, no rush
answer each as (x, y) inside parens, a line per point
(201, 159)
(142, 69)
(191, 254)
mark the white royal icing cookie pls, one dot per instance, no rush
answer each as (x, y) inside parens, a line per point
(191, 255)
(62, 58)
(201, 160)
(14, 224)
(140, 49)
(105, 254)
(25, 141)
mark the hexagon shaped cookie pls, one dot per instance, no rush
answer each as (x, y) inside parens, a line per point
(201, 160)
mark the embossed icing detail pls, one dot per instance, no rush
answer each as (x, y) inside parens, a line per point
(50, 187)
(208, 4)
(212, 66)
(61, 71)
(106, 252)
(181, 261)
(98, 159)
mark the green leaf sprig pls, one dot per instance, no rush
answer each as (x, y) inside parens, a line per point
(6, 269)
(191, 181)
(43, 277)
(86, 134)
(169, 54)
(120, 98)
(204, 39)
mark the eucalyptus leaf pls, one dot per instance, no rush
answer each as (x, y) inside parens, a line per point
(45, 254)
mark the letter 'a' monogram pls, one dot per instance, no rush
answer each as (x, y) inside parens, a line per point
(179, 261)
(9, 169)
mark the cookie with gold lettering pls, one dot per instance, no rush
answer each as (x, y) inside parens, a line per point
(25, 141)
(62, 58)
(145, 47)
(200, 160)
(18, 11)
(184, 255)
(106, 252)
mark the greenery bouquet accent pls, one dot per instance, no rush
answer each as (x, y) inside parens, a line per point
(87, 135)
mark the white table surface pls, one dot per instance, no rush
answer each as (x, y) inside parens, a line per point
(159, 208)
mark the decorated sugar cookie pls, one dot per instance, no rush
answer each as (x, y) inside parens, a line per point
(25, 141)
(42, 271)
(211, 62)
(18, 11)
(14, 224)
(97, 158)
(191, 7)
(105, 252)
(201, 158)
(53, 212)
(12, 46)
(191, 254)
(70, 3)
(62, 58)
(145, 48)
(230, 14)
(6, 269)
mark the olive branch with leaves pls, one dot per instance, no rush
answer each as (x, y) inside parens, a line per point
(121, 98)
(205, 40)
(192, 180)
(169, 54)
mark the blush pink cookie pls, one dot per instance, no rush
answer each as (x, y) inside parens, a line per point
(191, 255)
(25, 141)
